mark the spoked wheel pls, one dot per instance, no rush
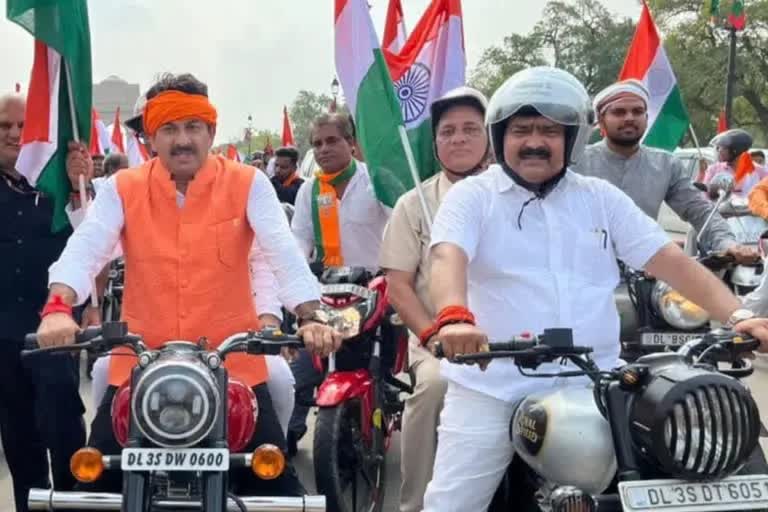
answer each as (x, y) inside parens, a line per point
(347, 472)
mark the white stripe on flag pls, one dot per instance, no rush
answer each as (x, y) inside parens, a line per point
(34, 156)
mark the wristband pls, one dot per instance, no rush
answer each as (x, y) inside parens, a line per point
(56, 305)
(447, 316)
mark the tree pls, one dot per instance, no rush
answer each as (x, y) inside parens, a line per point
(305, 109)
(583, 38)
(698, 53)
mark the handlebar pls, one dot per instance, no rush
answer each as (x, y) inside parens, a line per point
(267, 342)
(94, 339)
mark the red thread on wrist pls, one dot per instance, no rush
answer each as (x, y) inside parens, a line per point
(56, 305)
(427, 334)
(447, 316)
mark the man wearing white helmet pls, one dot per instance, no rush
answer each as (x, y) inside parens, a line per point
(461, 146)
(530, 245)
(650, 176)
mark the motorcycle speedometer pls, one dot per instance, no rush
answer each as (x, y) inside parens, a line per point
(175, 403)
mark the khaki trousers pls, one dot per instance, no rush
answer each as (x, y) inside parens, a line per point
(421, 417)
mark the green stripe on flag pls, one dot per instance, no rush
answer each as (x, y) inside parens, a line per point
(670, 125)
(423, 149)
(378, 118)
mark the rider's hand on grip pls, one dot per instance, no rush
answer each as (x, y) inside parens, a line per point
(757, 328)
(459, 339)
(57, 329)
(319, 338)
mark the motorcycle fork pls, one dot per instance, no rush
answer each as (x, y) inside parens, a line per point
(136, 490)
(215, 484)
(617, 405)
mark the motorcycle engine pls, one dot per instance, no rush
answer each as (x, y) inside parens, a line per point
(563, 437)
(175, 401)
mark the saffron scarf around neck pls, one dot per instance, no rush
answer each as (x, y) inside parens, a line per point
(325, 215)
(290, 180)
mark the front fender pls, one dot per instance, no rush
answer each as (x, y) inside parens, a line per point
(341, 386)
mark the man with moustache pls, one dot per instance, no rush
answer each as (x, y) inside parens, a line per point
(648, 175)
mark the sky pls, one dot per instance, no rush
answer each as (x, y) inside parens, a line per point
(255, 55)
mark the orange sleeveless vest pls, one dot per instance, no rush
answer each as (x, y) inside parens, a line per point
(186, 269)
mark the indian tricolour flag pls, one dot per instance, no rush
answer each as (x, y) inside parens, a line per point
(60, 85)
(100, 138)
(371, 99)
(395, 34)
(431, 63)
(647, 61)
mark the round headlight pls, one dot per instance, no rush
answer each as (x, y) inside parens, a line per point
(676, 310)
(693, 423)
(175, 403)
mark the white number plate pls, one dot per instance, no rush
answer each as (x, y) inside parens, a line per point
(667, 338)
(749, 492)
(167, 459)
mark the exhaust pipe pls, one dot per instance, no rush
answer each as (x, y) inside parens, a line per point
(50, 500)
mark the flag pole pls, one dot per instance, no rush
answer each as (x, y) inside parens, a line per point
(415, 175)
(81, 185)
(699, 176)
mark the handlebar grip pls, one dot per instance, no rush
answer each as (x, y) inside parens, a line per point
(30, 341)
(511, 346)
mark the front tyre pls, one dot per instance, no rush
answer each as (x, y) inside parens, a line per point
(347, 472)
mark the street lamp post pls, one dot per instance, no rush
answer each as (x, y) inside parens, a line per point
(335, 93)
(250, 133)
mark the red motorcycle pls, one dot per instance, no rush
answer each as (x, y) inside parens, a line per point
(359, 400)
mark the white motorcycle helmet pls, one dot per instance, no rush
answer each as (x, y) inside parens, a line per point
(550, 92)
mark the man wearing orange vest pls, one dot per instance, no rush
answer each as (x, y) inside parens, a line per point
(186, 221)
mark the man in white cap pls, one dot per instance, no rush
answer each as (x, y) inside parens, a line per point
(648, 175)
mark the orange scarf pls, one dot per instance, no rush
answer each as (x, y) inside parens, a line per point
(290, 180)
(325, 213)
(744, 167)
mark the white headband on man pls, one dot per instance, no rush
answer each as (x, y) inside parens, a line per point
(617, 91)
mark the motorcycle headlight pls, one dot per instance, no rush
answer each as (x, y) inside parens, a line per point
(693, 423)
(175, 403)
(347, 321)
(676, 310)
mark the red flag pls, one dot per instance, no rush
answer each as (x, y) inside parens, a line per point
(96, 147)
(117, 133)
(232, 153)
(287, 131)
(268, 150)
(744, 167)
(722, 122)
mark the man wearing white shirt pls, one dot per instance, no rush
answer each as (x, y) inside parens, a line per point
(338, 219)
(530, 245)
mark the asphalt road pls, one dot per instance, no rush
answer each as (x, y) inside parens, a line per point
(303, 461)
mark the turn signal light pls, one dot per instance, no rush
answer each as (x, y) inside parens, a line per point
(268, 462)
(87, 465)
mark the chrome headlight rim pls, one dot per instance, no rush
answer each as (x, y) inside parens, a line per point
(195, 376)
(695, 424)
(678, 319)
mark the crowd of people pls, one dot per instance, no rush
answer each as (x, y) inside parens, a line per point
(529, 223)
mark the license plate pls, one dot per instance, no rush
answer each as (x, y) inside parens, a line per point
(667, 338)
(749, 492)
(168, 459)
